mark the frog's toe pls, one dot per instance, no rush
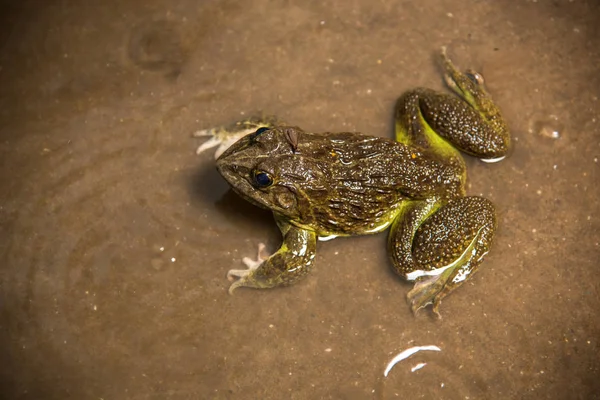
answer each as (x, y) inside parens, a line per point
(243, 277)
(224, 137)
(205, 132)
(213, 141)
(217, 137)
(261, 256)
(209, 144)
(427, 291)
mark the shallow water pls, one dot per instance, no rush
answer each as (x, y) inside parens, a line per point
(116, 237)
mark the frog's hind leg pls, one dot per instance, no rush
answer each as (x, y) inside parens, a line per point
(413, 128)
(441, 122)
(440, 245)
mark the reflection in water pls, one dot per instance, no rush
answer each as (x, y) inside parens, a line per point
(407, 353)
(549, 127)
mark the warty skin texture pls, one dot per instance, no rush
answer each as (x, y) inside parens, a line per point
(323, 185)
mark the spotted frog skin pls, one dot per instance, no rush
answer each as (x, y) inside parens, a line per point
(326, 185)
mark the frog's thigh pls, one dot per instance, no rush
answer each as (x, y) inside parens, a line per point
(444, 249)
(411, 127)
(458, 233)
(442, 123)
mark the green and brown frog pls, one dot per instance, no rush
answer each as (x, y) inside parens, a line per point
(327, 185)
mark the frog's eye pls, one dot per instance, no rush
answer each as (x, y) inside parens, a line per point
(259, 131)
(261, 179)
(475, 77)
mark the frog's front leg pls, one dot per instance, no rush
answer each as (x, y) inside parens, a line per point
(225, 136)
(291, 262)
(439, 245)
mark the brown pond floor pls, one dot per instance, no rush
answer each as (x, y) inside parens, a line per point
(115, 237)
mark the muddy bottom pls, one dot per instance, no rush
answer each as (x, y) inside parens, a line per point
(115, 237)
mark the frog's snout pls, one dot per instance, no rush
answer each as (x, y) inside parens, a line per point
(227, 169)
(234, 170)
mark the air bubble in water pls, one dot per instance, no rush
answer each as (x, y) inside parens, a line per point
(549, 127)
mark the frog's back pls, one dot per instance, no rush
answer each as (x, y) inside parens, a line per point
(358, 182)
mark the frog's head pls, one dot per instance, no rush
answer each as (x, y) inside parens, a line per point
(268, 169)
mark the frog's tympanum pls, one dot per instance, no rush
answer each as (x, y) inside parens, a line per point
(327, 185)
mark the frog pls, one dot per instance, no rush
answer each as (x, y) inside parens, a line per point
(321, 186)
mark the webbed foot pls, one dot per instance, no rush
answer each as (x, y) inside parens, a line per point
(224, 137)
(218, 137)
(244, 276)
(428, 290)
